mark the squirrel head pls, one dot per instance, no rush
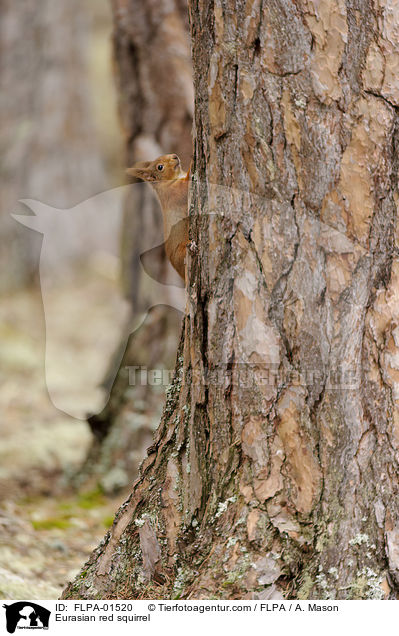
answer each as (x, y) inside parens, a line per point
(164, 168)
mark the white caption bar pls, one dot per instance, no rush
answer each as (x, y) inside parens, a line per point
(152, 617)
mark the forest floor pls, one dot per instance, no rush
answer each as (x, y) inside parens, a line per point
(47, 531)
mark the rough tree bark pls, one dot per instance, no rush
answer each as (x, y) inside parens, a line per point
(153, 74)
(274, 470)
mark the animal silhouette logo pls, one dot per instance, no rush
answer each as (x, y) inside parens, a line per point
(26, 615)
(53, 222)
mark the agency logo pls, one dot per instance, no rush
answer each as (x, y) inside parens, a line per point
(61, 363)
(26, 615)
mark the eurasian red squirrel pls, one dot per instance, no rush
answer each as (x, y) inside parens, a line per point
(170, 182)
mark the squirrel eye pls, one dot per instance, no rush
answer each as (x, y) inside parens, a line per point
(160, 167)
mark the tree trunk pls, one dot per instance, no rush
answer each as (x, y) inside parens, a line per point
(154, 82)
(274, 470)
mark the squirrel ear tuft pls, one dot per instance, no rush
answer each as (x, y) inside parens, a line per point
(136, 172)
(140, 170)
(132, 172)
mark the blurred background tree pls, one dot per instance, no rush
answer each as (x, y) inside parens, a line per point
(49, 140)
(62, 142)
(152, 64)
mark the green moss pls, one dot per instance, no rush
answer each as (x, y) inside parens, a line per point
(108, 521)
(51, 523)
(91, 499)
(65, 506)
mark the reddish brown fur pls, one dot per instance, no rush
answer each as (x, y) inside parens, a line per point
(171, 186)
